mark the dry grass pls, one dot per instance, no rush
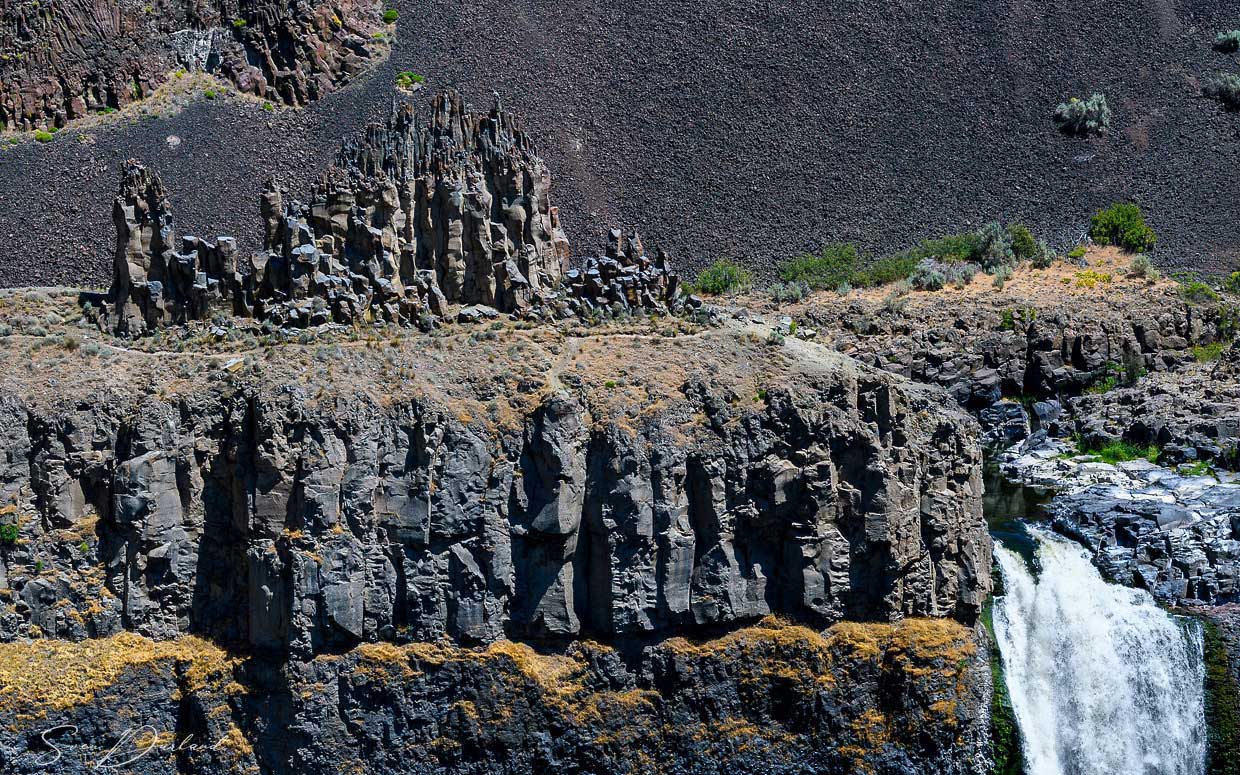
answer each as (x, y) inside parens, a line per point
(44, 675)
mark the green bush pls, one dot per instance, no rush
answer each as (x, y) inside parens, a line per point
(722, 277)
(1232, 283)
(8, 534)
(407, 79)
(390, 16)
(886, 270)
(209, 94)
(43, 136)
(1023, 243)
(1122, 225)
(836, 263)
(1224, 87)
(1084, 117)
(1228, 42)
(1077, 253)
(954, 247)
(1197, 292)
(1208, 353)
(239, 23)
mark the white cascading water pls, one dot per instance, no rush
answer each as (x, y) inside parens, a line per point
(1102, 680)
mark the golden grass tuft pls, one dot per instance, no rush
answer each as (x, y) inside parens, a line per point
(40, 676)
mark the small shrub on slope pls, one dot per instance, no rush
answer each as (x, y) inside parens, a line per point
(1122, 225)
(722, 277)
(1084, 117)
(835, 264)
(1224, 87)
(1228, 42)
(1023, 243)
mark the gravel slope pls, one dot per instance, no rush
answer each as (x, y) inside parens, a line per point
(735, 129)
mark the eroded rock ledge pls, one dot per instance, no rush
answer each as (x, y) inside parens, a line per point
(67, 59)
(535, 486)
(771, 698)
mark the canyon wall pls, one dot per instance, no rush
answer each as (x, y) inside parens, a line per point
(487, 549)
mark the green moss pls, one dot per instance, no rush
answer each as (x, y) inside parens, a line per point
(1222, 705)
(1004, 732)
(390, 16)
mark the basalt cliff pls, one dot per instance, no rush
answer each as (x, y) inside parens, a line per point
(364, 538)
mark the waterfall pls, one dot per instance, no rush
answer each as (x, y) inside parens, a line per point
(1102, 680)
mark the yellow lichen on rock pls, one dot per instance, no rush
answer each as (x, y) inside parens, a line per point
(44, 675)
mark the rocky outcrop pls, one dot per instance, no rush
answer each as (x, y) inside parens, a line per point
(457, 210)
(623, 280)
(411, 218)
(308, 518)
(1174, 533)
(772, 698)
(982, 348)
(1191, 416)
(66, 60)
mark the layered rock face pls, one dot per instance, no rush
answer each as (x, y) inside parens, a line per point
(362, 529)
(1192, 416)
(771, 698)
(410, 218)
(255, 513)
(68, 59)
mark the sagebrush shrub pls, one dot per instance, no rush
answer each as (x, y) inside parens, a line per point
(927, 276)
(994, 247)
(1083, 117)
(1042, 256)
(1122, 225)
(1228, 42)
(1142, 268)
(1224, 87)
(786, 293)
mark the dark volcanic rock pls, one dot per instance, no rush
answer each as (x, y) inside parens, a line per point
(410, 218)
(1190, 416)
(250, 515)
(739, 130)
(772, 699)
(69, 59)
